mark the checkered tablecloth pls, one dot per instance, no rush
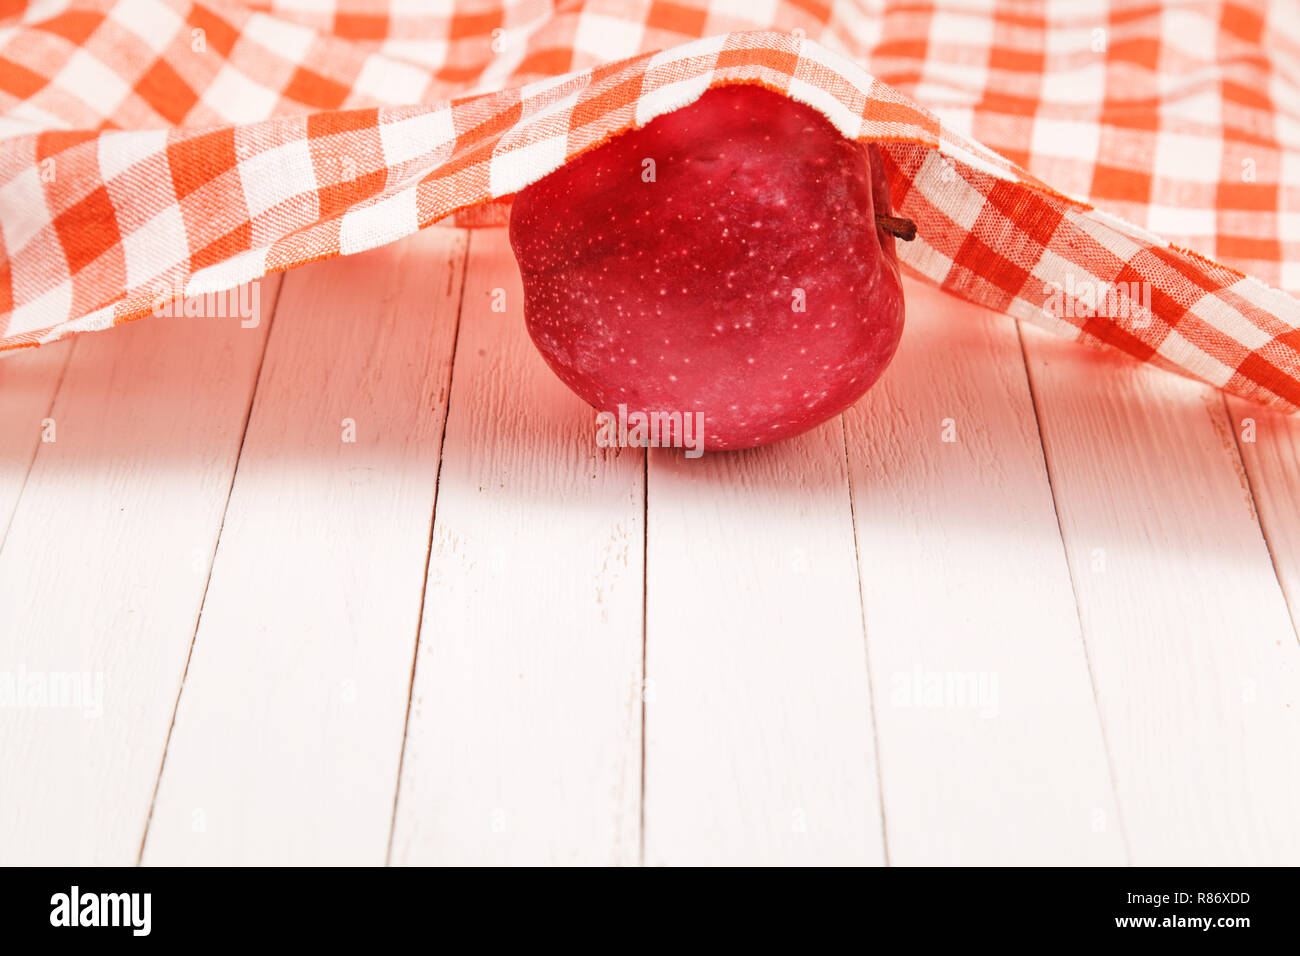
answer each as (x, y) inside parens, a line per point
(1110, 172)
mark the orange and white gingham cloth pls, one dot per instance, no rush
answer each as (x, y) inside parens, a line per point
(163, 147)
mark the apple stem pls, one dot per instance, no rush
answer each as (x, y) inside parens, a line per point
(898, 227)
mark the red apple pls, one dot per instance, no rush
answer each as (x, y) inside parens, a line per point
(731, 258)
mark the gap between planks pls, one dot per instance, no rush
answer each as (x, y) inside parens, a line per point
(1074, 587)
(93, 572)
(57, 356)
(428, 552)
(1179, 598)
(866, 649)
(524, 721)
(277, 285)
(288, 733)
(1287, 424)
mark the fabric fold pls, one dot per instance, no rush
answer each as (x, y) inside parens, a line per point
(107, 221)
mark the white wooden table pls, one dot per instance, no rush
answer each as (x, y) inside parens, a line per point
(1066, 635)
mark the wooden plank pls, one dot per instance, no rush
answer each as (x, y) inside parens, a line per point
(759, 742)
(991, 749)
(1194, 657)
(103, 571)
(523, 741)
(289, 728)
(29, 380)
(1269, 443)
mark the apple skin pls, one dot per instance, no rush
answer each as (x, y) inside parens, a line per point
(682, 293)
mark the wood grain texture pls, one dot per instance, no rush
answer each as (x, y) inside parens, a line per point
(1194, 657)
(29, 380)
(289, 727)
(866, 644)
(103, 571)
(991, 749)
(523, 741)
(759, 742)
